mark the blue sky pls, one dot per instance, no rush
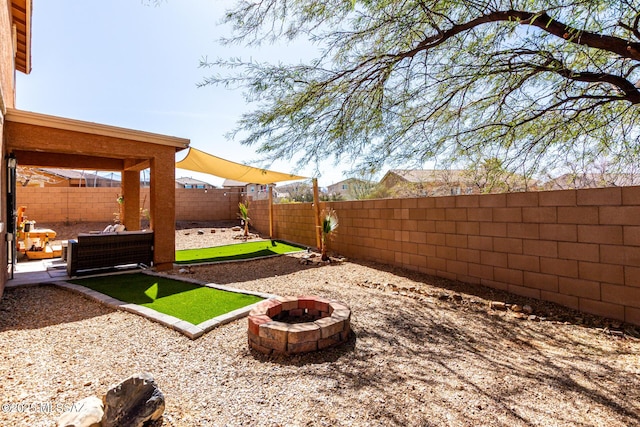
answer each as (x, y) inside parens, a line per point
(127, 64)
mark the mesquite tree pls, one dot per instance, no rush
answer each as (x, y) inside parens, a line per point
(414, 80)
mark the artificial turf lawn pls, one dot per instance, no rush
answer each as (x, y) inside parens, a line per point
(187, 301)
(246, 250)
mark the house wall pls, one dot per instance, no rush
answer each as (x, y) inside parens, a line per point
(7, 73)
(82, 204)
(578, 248)
(7, 99)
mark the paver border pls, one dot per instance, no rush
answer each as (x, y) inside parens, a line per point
(188, 329)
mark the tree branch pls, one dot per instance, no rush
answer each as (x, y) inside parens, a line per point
(542, 20)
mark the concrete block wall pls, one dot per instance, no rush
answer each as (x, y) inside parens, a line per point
(578, 248)
(82, 204)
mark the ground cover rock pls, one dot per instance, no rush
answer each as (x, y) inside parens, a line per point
(133, 402)
(87, 412)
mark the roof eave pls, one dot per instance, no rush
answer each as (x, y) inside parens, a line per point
(37, 119)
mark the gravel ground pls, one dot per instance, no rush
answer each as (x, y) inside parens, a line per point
(425, 352)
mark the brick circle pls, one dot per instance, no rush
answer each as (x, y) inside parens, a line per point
(269, 334)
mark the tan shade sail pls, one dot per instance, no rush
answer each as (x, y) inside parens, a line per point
(199, 161)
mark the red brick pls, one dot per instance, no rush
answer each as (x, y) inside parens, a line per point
(493, 200)
(468, 255)
(493, 258)
(610, 234)
(619, 294)
(254, 323)
(274, 307)
(507, 215)
(559, 267)
(559, 232)
(522, 199)
(608, 273)
(579, 288)
(507, 275)
(578, 215)
(544, 282)
(540, 215)
(480, 242)
(626, 255)
(557, 198)
(579, 251)
(564, 300)
(503, 244)
(307, 302)
(540, 248)
(622, 215)
(498, 229)
(599, 196)
(524, 262)
(604, 309)
(305, 332)
(523, 231)
(480, 214)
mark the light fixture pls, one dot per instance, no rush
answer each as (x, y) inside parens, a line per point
(12, 162)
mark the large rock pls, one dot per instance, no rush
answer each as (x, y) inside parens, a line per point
(85, 413)
(133, 402)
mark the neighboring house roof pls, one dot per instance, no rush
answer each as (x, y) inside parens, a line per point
(426, 175)
(191, 181)
(21, 18)
(592, 180)
(32, 175)
(233, 183)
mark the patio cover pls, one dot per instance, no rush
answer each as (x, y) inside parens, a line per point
(199, 161)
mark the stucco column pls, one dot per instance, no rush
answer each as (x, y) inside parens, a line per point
(131, 192)
(162, 208)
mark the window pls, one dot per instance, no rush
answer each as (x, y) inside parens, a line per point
(188, 186)
(345, 186)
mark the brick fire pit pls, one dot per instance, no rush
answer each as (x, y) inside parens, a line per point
(291, 325)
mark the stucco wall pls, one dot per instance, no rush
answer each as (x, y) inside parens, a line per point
(7, 74)
(578, 248)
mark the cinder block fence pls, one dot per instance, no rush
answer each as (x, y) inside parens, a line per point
(578, 248)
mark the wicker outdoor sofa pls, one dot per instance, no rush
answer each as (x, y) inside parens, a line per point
(92, 252)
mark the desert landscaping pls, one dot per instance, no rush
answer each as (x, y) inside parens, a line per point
(424, 351)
